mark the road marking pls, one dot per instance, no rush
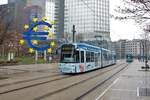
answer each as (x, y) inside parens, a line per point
(107, 89)
(138, 92)
(124, 90)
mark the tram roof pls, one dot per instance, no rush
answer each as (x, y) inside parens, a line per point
(87, 46)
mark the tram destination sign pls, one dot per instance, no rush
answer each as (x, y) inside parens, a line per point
(67, 48)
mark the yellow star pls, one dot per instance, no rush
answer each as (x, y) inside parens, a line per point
(49, 50)
(44, 19)
(35, 29)
(35, 42)
(31, 50)
(26, 26)
(51, 35)
(53, 22)
(21, 42)
(35, 20)
(46, 28)
(52, 44)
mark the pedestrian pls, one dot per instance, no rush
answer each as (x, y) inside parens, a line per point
(146, 64)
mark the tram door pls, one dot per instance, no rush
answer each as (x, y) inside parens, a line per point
(82, 57)
(99, 60)
(96, 59)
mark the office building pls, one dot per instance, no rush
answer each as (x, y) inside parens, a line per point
(52, 9)
(133, 47)
(119, 47)
(91, 18)
(26, 10)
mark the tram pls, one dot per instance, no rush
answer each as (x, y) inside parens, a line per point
(81, 57)
(129, 58)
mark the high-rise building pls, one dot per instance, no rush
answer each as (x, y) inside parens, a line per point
(90, 17)
(26, 10)
(18, 7)
(59, 17)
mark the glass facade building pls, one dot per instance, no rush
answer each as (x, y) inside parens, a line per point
(91, 18)
(26, 10)
(59, 18)
(50, 9)
(53, 10)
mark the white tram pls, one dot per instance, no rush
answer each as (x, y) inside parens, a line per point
(81, 57)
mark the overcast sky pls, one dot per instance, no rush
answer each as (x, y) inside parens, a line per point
(125, 29)
(3, 2)
(118, 29)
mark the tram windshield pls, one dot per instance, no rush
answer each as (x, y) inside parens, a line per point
(69, 54)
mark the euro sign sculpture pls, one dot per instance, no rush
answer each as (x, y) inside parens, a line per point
(32, 36)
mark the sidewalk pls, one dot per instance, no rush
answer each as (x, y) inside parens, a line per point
(133, 84)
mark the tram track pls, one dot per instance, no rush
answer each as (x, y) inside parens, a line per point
(33, 85)
(53, 80)
(34, 79)
(26, 71)
(23, 81)
(19, 71)
(15, 69)
(98, 85)
(28, 80)
(80, 82)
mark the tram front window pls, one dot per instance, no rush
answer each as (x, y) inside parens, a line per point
(70, 57)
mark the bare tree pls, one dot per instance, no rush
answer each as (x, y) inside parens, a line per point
(135, 9)
(7, 29)
(6, 24)
(139, 10)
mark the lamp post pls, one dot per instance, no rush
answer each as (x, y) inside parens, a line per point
(10, 54)
(74, 31)
(142, 49)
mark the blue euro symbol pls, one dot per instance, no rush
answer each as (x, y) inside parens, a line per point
(30, 35)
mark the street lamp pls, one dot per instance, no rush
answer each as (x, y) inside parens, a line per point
(73, 35)
(142, 49)
(10, 54)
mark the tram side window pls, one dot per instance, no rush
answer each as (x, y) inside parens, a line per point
(96, 57)
(109, 56)
(76, 56)
(88, 57)
(82, 56)
(92, 56)
(105, 55)
(99, 56)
